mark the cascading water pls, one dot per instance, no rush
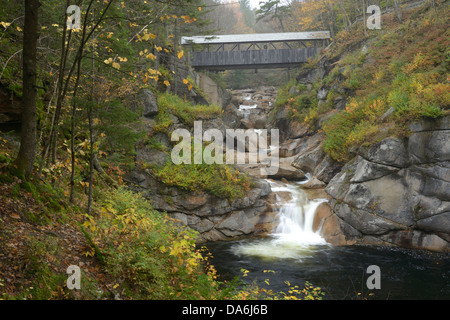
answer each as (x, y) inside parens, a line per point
(294, 236)
(296, 253)
(296, 219)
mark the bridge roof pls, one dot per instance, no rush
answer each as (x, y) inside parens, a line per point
(256, 37)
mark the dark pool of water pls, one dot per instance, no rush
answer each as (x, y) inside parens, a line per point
(341, 272)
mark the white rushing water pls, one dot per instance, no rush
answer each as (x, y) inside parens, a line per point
(294, 236)
(245, 109)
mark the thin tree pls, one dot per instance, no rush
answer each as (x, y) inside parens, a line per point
(398, 10)
(274, 10)
(27, 151)
(52, 143)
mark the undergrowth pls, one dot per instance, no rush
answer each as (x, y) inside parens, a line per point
(387, 79)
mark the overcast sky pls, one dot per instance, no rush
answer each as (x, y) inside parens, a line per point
(255, 3)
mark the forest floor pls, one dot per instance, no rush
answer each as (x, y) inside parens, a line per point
(32, 253)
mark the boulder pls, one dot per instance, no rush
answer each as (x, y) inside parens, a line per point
(328, 225)
(148, 102)
(313, 183)
(149, 156)
(231, 116)
(322, 93)
(288, 172)
(397, 191)
(297, 129)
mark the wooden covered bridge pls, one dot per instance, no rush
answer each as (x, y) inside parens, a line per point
(255, 51)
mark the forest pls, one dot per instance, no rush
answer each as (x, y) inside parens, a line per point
(72, 75)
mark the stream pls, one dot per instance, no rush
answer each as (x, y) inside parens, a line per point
(295, 253)
(298, 255)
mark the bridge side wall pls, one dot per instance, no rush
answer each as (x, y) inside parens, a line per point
(253, 58)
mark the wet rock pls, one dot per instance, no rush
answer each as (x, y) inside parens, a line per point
(328, 225)
(313, 183)
(289, 173)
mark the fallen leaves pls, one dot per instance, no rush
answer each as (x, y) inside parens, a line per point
(27, 247)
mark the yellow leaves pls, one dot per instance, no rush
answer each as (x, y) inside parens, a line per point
(180, 54)
(244, 272)
(185, 256)
(151, 56)
(147, 36)
(90, 252)
(90, 223)
(199, 8)
(167, 83)
(158, 48)
(151, 74)
(147, 54)
(114, 64)
(5, 24)
(420, 62)
(109, 35)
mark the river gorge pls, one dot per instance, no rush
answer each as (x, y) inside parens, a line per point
(320, 221)
(294, 250)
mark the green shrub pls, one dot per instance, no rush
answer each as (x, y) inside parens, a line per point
(184, 110)
(147, 253)
(217, 179)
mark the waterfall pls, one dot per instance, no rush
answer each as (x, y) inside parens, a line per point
(245, 109)
(296, 218)
(294, 236)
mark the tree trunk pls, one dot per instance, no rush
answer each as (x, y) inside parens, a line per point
(398, 11)
(27, 151)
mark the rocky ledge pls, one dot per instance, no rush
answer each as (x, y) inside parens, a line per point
(395, 192)
(213, 217)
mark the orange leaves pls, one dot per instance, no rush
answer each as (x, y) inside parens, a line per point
(309, 13)
(186, 82)
(147, 36)
(420, 61)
